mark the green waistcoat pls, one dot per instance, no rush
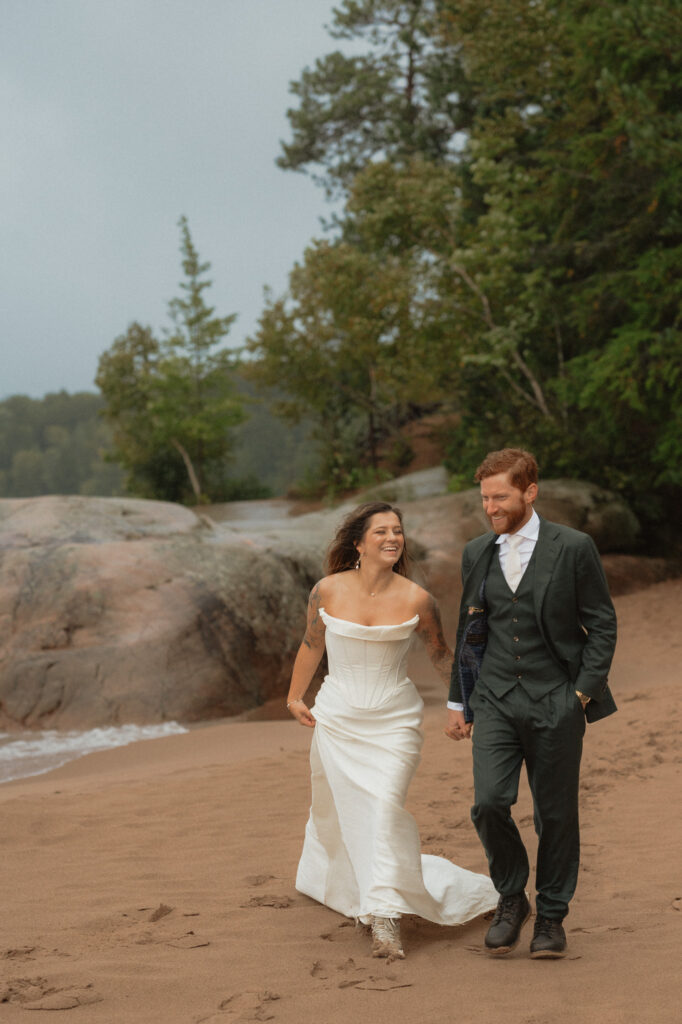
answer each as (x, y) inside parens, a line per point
(516, 653)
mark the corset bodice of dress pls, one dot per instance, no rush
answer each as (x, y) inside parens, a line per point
(367, 663)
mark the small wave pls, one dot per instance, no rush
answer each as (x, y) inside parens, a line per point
(26, 754)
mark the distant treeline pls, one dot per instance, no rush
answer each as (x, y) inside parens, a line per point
(56, 445)
(61, 444)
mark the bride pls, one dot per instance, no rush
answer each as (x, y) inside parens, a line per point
(361, 854)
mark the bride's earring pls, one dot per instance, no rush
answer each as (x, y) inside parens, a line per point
(357, 564)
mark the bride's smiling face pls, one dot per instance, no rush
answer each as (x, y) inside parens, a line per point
(383, 541)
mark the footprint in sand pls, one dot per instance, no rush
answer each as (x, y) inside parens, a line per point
(601, 929)
(439, 804)
(255, 880)
(165, 920)
(332, 936)
(243, 1007)
(21, 953)
(38, 994)
(349, 975)
(451, 823)
(352, 975)
(360, 979)
(322, 971)
(280, 902)
(189, 940)
(161, 911)
(382, 984)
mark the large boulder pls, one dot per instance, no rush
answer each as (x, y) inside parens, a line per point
(610, 522)
(116, 611)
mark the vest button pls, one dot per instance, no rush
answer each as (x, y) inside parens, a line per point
(518, 677)
(517, 657)
(516, 639)
(515, 620)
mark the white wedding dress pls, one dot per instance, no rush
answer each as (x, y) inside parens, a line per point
(361, 854)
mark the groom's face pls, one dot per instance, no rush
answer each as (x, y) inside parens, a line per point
(507, 507)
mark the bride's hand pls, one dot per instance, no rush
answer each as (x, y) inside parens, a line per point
(457, 728)
(302, 714)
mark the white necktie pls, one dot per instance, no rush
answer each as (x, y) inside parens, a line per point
(512, 569)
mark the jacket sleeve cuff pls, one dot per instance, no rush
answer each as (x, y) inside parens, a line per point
(588, 690)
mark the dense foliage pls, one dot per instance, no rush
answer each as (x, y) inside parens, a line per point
(510, 244)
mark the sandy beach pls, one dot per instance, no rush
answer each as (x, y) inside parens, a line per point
(155, 883)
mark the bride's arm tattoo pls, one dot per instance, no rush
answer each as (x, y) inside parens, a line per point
(315, 627)
(436, 646)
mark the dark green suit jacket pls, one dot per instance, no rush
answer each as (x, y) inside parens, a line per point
(573, 610)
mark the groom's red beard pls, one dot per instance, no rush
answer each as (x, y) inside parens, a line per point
(513, 517)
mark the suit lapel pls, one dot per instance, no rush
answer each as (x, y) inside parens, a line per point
(547, 550)
(479, 570)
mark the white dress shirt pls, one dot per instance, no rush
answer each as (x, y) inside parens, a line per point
(529, 534)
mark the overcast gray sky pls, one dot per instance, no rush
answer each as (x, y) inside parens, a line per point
(116, 117)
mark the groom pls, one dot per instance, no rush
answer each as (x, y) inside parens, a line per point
(536, 636)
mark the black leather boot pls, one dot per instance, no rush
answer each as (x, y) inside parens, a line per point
(511, 914)
(549, 939)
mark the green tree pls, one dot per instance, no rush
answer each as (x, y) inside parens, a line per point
(578, 153)
(340, 345)
(172, 403)
(127, 376)
(537, 245)
(407, 95)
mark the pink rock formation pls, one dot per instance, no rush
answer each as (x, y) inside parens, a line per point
(116, 610)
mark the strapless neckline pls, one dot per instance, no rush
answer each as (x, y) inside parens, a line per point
(388, 625)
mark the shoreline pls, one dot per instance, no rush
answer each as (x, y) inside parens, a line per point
(226, 739)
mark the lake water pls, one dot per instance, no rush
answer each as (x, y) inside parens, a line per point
(34, 753)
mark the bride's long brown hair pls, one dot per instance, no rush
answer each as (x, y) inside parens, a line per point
(343, 554)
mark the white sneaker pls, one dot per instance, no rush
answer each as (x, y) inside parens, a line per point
(386, 938)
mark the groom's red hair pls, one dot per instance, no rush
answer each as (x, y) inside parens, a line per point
(520, 464)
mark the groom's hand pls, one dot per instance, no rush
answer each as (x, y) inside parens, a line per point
(457, 728)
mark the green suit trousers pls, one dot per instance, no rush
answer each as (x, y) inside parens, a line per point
(548, 735)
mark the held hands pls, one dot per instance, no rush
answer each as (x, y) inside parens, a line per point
(301, 713)
(457, 728)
